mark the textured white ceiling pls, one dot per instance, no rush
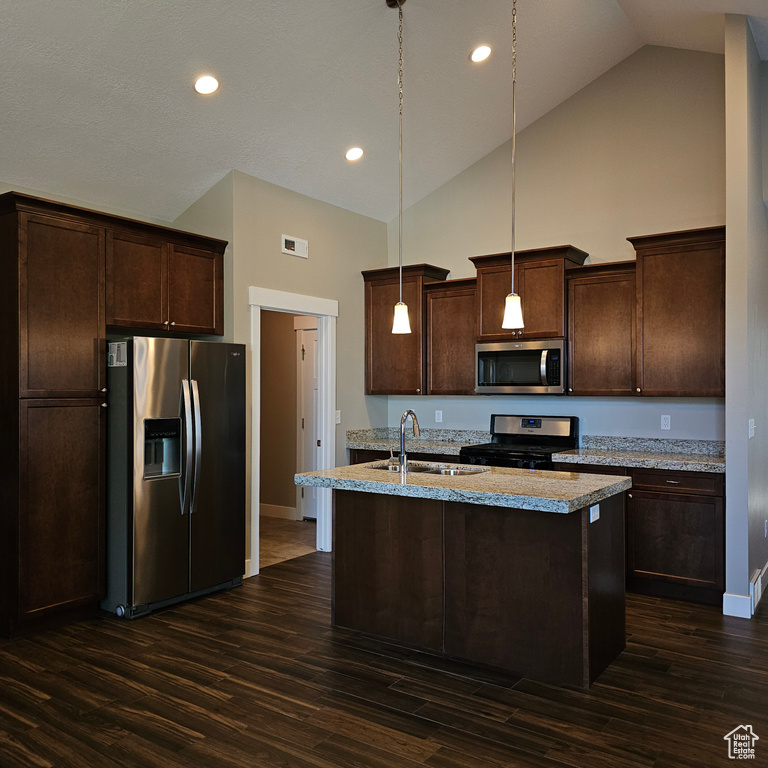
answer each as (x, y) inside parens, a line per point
(97, 99)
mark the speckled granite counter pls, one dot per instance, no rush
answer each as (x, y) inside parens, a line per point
(648, 453)
(499, 487)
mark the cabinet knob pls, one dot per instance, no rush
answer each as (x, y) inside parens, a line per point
(173, 323)
(103, 389)
(418, 391)
(103, 405)
(638, 389)
(629, 495)
(165, 322)
(570, 389)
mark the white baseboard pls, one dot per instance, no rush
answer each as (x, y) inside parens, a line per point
(275, 510)
(248, 572)
(737, 605)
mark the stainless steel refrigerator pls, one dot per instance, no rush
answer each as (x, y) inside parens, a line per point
(176, 471)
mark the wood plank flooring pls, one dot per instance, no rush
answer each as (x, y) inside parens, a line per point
(257, 677)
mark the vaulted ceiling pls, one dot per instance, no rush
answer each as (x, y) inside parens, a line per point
(97, 101)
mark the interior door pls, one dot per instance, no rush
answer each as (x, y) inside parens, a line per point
(217, 553)
(307, 421)
(160, 525)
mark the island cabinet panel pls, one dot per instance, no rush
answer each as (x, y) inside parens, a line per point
(451, 335)
(540, 282)
(513, 575)
(61, 307)
(681, 313)
(394, 363)
(387, 560)
(61, 510)
(601, 329)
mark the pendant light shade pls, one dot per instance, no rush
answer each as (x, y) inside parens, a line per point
(513, 312)
(401, 323)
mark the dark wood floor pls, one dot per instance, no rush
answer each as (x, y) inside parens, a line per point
(256, 677)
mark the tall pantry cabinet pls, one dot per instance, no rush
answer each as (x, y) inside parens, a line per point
(54, 309)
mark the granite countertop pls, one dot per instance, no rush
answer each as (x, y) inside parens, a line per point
(539, 490)
(645, 453)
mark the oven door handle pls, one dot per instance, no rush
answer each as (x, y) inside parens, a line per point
(543, 367)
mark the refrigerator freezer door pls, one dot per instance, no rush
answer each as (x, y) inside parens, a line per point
(160, 529)
(218, 520)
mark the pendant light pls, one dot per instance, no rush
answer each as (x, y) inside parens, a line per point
(513, 311)
(400, 324)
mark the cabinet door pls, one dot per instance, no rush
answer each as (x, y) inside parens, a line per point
(137, 281)
(393, 363)
(681, 321)
(61, 308)
(451, 338)
(493, 285)
(195, 290)
(675, 538)
(601, 329)
(541, 285)
(61, 510)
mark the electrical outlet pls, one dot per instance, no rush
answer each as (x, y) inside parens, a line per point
(338, 417)
(594, 513)
(438, 417)
(666, 422)
(751, 428)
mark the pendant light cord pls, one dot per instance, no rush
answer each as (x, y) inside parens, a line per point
(514, 131)
(400, 149)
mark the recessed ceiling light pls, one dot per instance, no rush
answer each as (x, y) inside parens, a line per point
(206, 84)
(354, 154)
(481, 53)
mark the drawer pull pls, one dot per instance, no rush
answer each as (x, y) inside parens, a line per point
(673, 482)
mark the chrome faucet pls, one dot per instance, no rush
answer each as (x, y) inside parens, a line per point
(403, 456)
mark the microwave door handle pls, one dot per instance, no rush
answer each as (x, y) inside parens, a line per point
(543, 368)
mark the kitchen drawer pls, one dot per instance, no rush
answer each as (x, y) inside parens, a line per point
(590, 469)
(707, 483)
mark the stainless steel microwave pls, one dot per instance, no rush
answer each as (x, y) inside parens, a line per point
(520, 367)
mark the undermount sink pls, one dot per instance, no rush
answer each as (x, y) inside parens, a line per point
(410, 467)
(455, 471)
(430, 469)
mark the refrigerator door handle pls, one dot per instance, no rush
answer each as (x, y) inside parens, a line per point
(185, 481)
(198, 442)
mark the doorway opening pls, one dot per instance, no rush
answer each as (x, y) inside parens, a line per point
(289, 436)
(322, 392)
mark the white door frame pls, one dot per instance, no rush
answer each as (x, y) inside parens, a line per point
(326, 311)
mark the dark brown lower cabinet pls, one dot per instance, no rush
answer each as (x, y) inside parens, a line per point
(675, 532)
(675, 544)
(533, 593)
(361, 456)
(55, 563)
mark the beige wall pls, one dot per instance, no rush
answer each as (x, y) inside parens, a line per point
(278, 409)
(746, 312)
(638, 151)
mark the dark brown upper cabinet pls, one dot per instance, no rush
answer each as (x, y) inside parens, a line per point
(681, 313)
(394, 363)
(451, 334)
(60, 267)
(540, 283)
(154, 283)
(601, 329)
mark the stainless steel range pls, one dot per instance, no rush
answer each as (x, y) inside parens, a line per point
(524, 441)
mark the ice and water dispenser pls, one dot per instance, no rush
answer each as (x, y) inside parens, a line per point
(162, 447)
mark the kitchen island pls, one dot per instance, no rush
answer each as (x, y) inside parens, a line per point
(499, 567)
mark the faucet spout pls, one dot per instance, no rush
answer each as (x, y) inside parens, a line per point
(416, 433)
